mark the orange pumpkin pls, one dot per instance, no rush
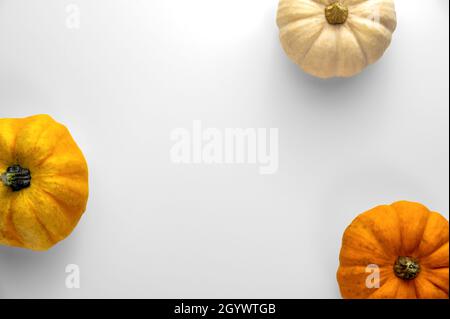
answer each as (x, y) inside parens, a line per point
(43, 182)
(395, 251)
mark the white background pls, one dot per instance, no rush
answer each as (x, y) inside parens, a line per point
(136, 70)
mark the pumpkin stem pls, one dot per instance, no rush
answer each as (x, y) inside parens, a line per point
(406, 268)
(336, 13)
(16, 177)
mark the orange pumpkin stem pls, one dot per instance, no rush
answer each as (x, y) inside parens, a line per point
(17, 178)
(336, 13)
(407, 268)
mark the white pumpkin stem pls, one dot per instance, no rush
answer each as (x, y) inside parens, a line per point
(336, 13)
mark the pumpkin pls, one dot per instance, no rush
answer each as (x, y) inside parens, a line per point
(405, 245)
(43, 185)
(329, 38)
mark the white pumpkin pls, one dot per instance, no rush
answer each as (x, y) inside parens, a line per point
(329, 38)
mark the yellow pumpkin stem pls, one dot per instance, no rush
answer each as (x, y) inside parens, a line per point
(407, 268)
(17, 178)
(336, 13)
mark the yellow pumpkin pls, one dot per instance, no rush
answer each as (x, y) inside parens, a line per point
(396, 251)
(44, 182)
(335, 38)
